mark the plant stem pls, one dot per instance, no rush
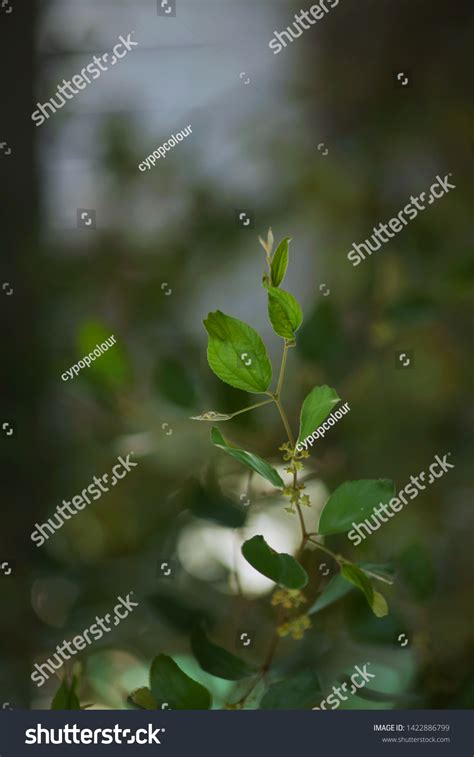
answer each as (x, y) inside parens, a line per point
(251, 407)
(282, 370)
(335, 557)
(288, 430)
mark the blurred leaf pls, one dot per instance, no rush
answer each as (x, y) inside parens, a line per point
(353, 501)
(412, 308)
(366, 628)
(211, 504)
(280, 262)
(174, 382)
(143, 698)
(237, 354)
(284, 313)
(375, 600)
(112, 367)
(170, 685)
(279, 567)
(65, 697)
(216, 660)
(321, 337)
(254, 462)
(176, 611)
(417, 570)
(338, 586)
(297, 692)
(315, 409)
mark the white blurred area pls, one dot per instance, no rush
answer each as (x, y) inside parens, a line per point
(203, 548)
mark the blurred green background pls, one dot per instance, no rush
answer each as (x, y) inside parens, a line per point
(253, 147)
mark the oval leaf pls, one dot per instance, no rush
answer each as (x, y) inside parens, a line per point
(315, 409)
(336, 589)
(169, 685)
(236, 353)
(256, 463)
(375, 600)
(66, 697)
(353, 501)
(143, 699)
(284, 313)
(280, 262)
(298, 692)
(279, 567)
(216, 660)
(338, 586)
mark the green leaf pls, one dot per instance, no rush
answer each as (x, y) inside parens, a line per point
(65, 697)
(170, 685)
(379, 605)
(297, 692)
(237, 354)
(280, 262)
(112, 367)
(338, 586)
(284, 313)
(143, 698)
(353, 501)
(252, 461)
(216, 660)
(279, 567)
(375, 600)
(315, 409)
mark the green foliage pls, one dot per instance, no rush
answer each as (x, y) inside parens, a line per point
(254, 462)
(279, 262)
(353, 501)
(296, 692)
(375, 600)
(284, 313)
(339, 586)
(112, 367)
(143, 699)
(315, 409)
(237, 354)
(66, 697)
(171, 686)
(216, 660)
(279, 567)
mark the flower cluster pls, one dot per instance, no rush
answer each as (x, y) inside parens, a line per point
(295, 627)
(288, 598)
(294, 492)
